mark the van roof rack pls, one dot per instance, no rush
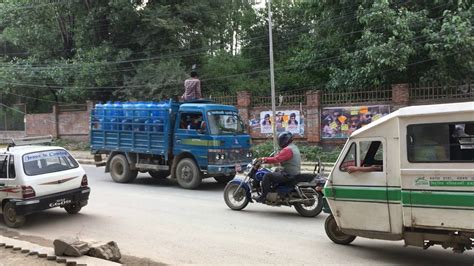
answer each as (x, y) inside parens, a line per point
(30, 141)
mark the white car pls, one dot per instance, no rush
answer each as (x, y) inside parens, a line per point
(36, 178)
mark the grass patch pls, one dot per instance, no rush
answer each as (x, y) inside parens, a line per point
(72, 145)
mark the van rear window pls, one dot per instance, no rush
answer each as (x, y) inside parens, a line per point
(444, 142)
(43, 162)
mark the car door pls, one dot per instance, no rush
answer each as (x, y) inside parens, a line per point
(362, 198)
(4, 170)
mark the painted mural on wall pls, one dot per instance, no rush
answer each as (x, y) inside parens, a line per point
(340, 122)
(287, 120)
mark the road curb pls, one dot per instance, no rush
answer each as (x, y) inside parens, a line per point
(24, 248)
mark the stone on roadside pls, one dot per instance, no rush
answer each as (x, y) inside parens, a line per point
(108, 251)
(70, 247)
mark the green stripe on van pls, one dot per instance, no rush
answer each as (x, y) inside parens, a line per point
(408, 198)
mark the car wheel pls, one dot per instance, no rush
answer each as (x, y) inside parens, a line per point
(120, 170)
(188, 174)
(73, 208)
(10, 217)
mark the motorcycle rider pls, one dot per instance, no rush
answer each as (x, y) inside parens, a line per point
(290, 160)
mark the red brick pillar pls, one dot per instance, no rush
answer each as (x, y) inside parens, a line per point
(243, 104)
(400, 95)
(312, 123)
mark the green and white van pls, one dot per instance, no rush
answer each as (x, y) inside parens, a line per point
(407, 176)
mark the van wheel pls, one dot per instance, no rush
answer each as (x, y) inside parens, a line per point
(159, 174)
(188, 174)
(120, 170)
(11, 218)
(335, 234)
(73, 208)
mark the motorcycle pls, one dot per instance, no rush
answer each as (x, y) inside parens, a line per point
(304, 191)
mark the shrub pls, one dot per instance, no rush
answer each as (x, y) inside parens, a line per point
(308, 153)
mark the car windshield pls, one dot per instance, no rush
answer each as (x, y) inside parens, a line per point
(225, 122)
(43, 162)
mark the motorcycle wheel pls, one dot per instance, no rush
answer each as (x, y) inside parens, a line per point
(312, 210)
(335, 234)
(236, 200)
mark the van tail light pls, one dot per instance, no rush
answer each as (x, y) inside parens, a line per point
(28, 192)
(84, 182)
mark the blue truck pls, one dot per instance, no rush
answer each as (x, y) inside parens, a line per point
(186, 141)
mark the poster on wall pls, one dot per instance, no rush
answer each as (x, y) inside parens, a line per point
(288, 120)
(340, 122)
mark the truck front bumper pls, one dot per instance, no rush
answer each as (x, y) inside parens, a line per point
(227, 169)
(28, 206)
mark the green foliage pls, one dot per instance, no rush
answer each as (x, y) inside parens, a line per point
(72, 145)
(70, 51)
(308, 153)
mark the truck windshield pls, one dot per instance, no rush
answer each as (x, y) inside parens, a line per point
(225, 122)
(43, 162)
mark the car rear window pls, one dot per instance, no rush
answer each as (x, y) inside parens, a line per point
(43, 162)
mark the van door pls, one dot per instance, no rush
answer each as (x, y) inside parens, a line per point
(360, 187)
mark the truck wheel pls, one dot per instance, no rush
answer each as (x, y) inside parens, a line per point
(224, 179)
(73, 208)
(11, 218)
(161, 174)
(335, 234)
(188, 174)
(120, 170)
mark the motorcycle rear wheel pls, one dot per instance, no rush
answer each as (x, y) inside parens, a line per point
(236, 200)
(313, 210)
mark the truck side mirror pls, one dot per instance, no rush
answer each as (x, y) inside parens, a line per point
(203, 127)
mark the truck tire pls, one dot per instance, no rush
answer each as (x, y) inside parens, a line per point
(335, 234)
(188, 174)
(11, 218)
(120, 169)
(160, 174)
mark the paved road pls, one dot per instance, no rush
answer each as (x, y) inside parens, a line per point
(157, 219)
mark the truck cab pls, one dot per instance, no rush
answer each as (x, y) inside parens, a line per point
(186, 141)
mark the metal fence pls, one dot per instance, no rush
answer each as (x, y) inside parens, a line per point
(12, 118)
(383, 94)
(433, 91)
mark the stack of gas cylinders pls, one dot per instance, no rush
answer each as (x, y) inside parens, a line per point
(131, 116)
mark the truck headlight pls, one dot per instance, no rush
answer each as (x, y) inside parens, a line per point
(222, 156)
(218, 156)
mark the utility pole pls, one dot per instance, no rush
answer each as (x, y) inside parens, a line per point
(272, 76)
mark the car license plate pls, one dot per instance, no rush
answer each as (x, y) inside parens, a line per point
(59, 203)
(238, 168)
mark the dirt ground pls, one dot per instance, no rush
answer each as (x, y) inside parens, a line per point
(10, 257)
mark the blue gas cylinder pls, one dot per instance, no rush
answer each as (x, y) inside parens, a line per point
(98, 116)
(117, 114)
(108, 115)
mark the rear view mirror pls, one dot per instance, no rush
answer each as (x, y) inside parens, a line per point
(203, 128)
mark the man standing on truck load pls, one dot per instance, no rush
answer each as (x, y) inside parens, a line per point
(290, 160)
(192, 88)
